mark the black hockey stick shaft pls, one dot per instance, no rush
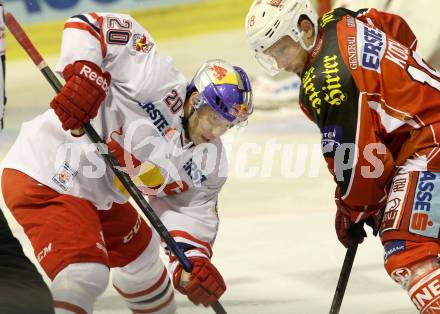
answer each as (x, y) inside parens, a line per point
(343, 277)
(102, 148)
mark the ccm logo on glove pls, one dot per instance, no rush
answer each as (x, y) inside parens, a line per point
(87, 71)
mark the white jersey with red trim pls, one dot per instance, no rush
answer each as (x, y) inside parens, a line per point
(141, 120)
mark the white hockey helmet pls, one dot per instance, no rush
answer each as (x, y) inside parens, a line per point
(270, 20)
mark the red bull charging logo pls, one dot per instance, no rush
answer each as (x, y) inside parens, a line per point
(141, 43)
(218, 72)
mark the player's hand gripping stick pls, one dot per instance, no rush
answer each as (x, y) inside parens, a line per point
(19, 34)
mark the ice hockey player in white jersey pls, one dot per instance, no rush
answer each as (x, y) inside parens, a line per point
(166, 134)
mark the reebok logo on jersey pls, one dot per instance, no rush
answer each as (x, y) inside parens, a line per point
(87, 71)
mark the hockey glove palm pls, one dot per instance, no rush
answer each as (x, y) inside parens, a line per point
(79, 99)
(205, 285)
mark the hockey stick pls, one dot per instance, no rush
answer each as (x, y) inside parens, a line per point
(343, 277)
(20, 35)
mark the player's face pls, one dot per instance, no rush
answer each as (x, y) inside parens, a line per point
(288, 55)
(206, 125)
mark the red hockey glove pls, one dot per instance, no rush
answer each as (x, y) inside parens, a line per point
(79, 99)
(349, 222)
(205, 284)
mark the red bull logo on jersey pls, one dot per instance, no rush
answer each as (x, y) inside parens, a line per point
(141, 43)
(425, 216)
(372, 44)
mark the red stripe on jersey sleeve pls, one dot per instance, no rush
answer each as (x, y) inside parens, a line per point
(183, 234)
(101, 39)
(94, 15)
(91, 31)
(82, 26)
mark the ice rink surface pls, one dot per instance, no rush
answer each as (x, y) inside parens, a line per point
(276, 246)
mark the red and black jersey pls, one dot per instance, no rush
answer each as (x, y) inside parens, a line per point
(375, 101)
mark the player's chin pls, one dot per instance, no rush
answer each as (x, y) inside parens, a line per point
(196, 139)
(291, 69)
(201, 140)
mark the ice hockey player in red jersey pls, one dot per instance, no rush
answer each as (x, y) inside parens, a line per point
(165, 133)
(428, 40)
(377, 105)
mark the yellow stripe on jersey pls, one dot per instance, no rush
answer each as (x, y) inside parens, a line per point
(148, 176)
